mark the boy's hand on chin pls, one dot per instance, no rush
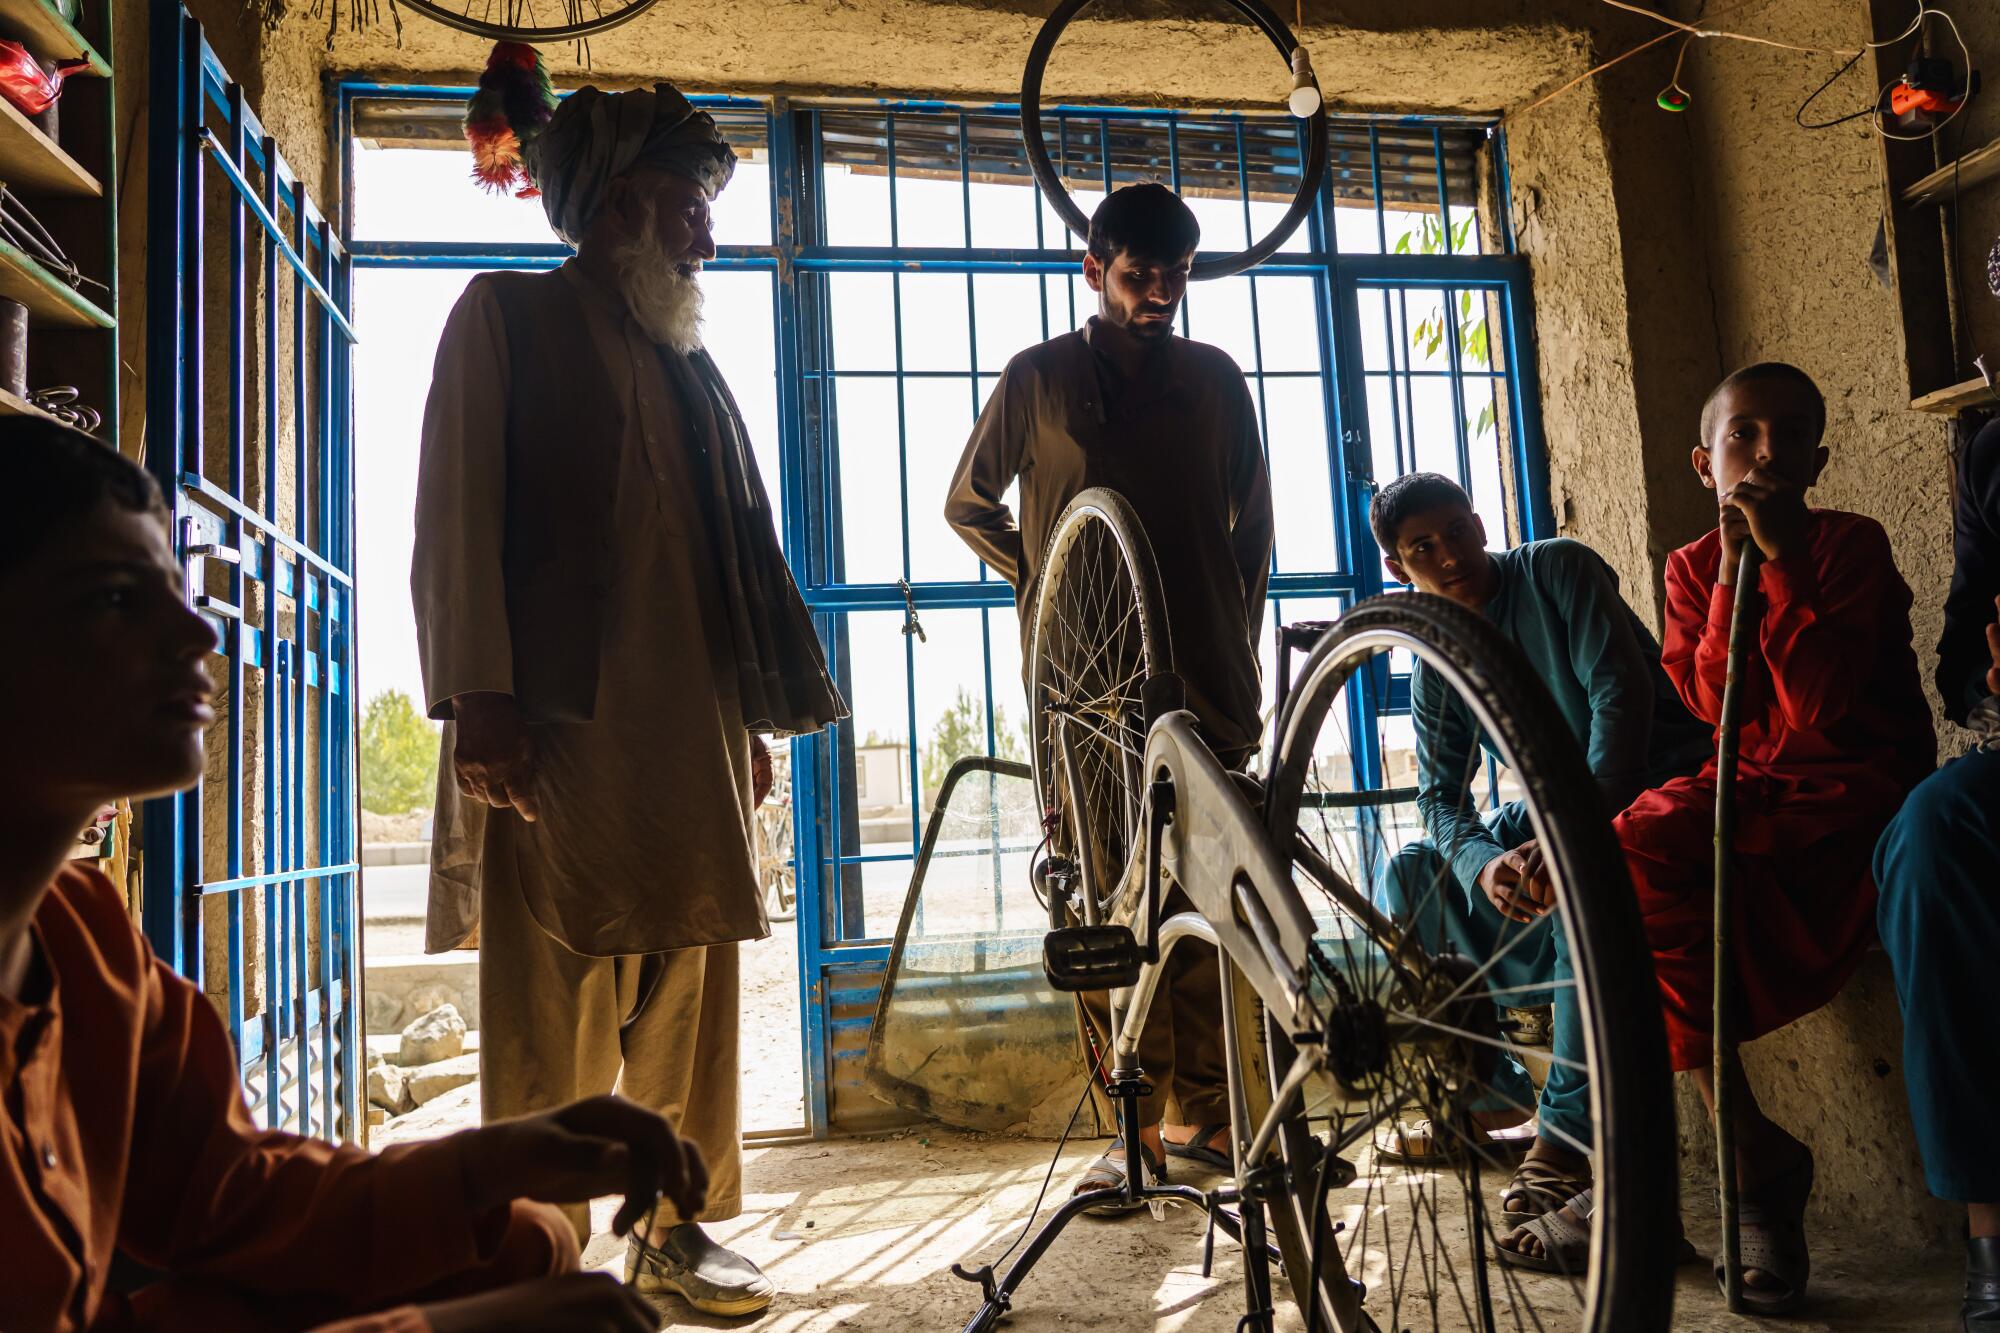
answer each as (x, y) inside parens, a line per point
(1734, 527)
(1775, 507)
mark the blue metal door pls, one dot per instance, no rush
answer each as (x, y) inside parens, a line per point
(251, 879)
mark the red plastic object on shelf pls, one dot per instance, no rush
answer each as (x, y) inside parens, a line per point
(26, 84)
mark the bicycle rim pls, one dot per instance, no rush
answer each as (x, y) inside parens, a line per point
(1420, 1237)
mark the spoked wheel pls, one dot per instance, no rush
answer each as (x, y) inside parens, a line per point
(1424, 997)
(1100, 635)
(532, 20)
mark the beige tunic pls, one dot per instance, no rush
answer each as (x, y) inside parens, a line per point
(644, 841)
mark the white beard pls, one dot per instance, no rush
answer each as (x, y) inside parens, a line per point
(665, 302)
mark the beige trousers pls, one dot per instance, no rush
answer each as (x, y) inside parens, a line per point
(549, 1035)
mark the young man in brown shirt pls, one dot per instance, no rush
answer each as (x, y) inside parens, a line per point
(1168, 423)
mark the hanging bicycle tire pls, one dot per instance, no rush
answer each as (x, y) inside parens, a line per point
(531, 21)
(1421, 1037)
(1100, 635)
(1049, 181)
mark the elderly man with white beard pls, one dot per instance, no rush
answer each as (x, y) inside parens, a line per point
(606, 623)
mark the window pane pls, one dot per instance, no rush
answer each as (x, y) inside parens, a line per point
(739, 332)
(936, 326)
(871, 492)
(1301, 475)
(863, 309)
(940, 413)
(1218, 313)
(1288, 318)
(1010, 317)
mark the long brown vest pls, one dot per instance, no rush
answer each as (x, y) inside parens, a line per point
(564, 428)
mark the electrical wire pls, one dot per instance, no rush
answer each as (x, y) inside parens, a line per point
(1089, 1081)
(1693, 31)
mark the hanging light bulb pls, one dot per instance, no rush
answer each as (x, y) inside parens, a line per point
(1304, 100)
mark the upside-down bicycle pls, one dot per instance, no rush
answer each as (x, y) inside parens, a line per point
(1338, 1022)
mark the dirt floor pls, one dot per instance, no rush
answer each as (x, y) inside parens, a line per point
(861, 1234)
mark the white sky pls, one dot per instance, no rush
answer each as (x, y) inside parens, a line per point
(414, 194)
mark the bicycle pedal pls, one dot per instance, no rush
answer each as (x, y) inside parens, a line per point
(1088, 958)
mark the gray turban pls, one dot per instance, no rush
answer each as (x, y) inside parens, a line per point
(596, 136)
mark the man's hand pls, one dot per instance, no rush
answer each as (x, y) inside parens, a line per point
(1775, 507)
(581, 1302)
(494, 757)
(1508, 882)
(589, 1148)
(762, 779)
(1993, 647)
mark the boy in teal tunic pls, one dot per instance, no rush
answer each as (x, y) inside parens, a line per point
(1476, 884)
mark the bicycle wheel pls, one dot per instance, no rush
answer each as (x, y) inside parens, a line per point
(1418, 1024)
(1100, 634)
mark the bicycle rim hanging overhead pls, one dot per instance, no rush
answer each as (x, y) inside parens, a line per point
(530, 20)
(1428, 1019)
(1305, 94)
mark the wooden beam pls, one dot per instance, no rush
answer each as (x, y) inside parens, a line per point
(1956, 398)
(1974, 168)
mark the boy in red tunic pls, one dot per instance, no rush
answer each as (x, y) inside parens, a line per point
(1834, 733)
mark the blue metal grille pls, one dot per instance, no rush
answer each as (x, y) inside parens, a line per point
(908, 257)
(262, 488)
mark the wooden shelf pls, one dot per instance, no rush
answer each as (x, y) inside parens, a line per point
(48, 34)
(1951, 401)
(31, 160)
(49, 299)
(12, 405)
(1973, 168)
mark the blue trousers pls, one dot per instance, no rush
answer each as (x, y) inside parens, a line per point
(1420, 891)
(1938, 870)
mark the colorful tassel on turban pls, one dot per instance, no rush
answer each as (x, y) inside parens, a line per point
(512, 106)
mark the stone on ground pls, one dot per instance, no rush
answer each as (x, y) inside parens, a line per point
(432, 1081)
(438, 1035)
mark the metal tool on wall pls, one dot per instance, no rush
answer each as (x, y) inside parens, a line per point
(20, 228)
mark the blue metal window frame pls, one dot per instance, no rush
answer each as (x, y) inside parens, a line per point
(304, 675)
(830, 958)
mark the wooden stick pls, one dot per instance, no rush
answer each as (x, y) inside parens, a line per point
(1743, 622)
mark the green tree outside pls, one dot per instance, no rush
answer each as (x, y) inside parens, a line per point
(962, 731)
(399, 756)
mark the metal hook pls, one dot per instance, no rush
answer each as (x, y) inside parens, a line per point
(911, 625)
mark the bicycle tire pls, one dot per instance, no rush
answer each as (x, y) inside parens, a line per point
(1096, 515)
(1636, 1231)
(487, 30)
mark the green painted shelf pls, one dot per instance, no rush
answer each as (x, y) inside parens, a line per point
(46, 33)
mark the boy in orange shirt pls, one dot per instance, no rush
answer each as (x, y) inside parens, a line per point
(122, 1124)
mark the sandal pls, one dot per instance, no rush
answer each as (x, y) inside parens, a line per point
(1772, 1225)
(1419, 1144)
(1196, 1149)
(1108, 1173)
(1566, 1240)
(1538, 1189)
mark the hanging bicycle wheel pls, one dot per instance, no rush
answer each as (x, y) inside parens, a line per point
(1100, 635)
(1399, 1163)
(531, 20)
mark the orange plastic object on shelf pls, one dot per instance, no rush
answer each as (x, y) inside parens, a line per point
(26, 84)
